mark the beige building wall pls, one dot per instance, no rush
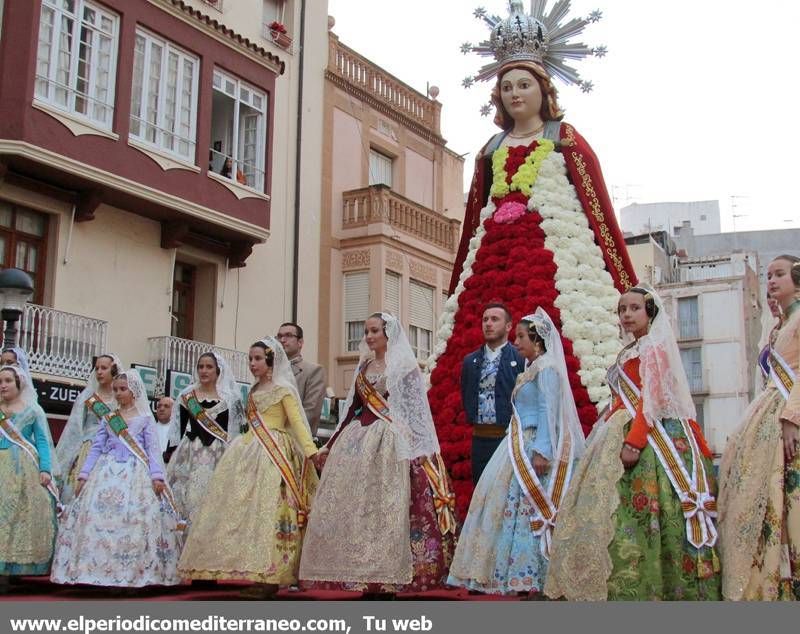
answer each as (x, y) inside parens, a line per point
(411, 227)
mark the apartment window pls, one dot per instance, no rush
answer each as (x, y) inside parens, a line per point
(692, 359)
(391, 293)
(356, 308)
(76, 58)
(380, 169)
(184, 286)
(699, 406)
(421, 322)
(164, 96)
(23, 243)
(274, 11)
(688, 318)
(238, 131)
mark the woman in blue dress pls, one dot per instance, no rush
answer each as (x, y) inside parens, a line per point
(504, 544)
(28, 498)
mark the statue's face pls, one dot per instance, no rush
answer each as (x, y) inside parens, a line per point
(521, 95)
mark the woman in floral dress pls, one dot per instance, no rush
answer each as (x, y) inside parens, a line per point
(382, 521)
(760, 472)
(119, 530)
(251, 524)
(638, 519)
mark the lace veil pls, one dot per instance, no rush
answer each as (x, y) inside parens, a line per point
(282, 375)
(21, 356)
(29, 398)
(562, 413)
(412, 422)
(227, 390)
(665, 390)
(72, 437)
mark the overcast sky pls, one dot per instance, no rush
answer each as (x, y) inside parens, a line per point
(696, 99)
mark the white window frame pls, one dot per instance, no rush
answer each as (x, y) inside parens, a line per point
(277, 12)
(381, 168)
(694, 371)
(160, 126)
(242, 92)
(689, 328)
(46, 87)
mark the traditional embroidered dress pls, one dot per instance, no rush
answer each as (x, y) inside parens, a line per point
(497, 551)
(505, 542)
(202, 430)
(374, 526)
(250, 525)
(191, 466)
(576, 265)
(89, 424)
(79, 433)
(117, 532)
(27, 509)
(759, 491)
(626, 534)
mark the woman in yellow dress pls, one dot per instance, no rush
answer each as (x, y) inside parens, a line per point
(251, 524)
(760, 473)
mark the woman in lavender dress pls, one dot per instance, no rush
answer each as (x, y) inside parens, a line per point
(119, 531)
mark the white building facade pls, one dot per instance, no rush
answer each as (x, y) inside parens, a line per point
(716, 315)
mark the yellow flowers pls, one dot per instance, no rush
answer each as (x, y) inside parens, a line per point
(525, 177)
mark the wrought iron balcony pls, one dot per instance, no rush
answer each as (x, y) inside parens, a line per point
(174, 353)
(60, 343)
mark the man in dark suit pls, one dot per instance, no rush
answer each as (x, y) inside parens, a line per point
(488, 376)
(310, 377)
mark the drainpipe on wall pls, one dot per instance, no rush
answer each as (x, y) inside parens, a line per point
(298, 161)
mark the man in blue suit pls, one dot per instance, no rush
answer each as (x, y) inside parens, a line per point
(488, 376)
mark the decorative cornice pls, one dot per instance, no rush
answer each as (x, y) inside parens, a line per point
(385, 108)
(222, 33)
(109, 179)
(356, 259)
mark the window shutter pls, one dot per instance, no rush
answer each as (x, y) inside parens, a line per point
(356, 296)
(391, 293)
(421, 300)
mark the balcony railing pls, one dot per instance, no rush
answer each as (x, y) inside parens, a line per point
(174, 353)
(378, 203)
(358, 71)
(59, 343)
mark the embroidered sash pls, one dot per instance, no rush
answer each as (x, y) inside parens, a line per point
(116, 423)
(203, 417)
(781, 373)
(444, 500)
(545, 502)
(296, 488)
(12, 434)
(698, 505)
